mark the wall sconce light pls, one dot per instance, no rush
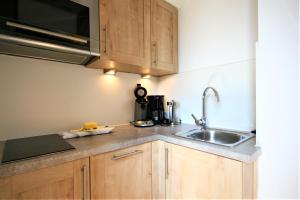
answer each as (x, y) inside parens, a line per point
(146, 76)
(110, 72)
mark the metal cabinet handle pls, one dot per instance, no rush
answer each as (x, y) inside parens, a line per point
(83, 171)
(105, 38)
(155, 53)
(167, 163)
(117, 157)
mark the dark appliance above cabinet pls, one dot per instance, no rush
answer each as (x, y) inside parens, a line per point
(61, 30)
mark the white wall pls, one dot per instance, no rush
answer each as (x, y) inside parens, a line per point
(277, 99)
(216, 48)
(40, 97)
(176, 3)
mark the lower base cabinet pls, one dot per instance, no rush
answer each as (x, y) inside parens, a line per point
(66, 181)
(156, 170)
(192, 174)
(123, 174)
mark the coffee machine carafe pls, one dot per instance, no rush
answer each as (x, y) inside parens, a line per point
(156, 110)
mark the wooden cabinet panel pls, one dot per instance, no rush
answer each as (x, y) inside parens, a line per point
(138, 36)
(164, 35)
(249, 180)
(66, 181)
(195, 174)
(158, 170)
(5, 188)
(122, 174)
(125, 31)
(81, 178)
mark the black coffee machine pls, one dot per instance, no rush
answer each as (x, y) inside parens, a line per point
(156, 110)
(141, 118)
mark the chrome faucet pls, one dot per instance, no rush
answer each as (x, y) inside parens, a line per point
(203, 121)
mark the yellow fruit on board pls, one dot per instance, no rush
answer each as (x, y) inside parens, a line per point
(90, 125)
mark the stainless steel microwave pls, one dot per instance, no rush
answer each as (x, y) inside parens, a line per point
(60, 30)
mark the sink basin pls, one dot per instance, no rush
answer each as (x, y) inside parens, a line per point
(216, 136)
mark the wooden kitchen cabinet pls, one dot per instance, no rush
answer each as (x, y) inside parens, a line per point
(194, 174)
(138, 36)
(124, 36)
(156, 170)
(159, 169)
(65, 181)
(123, 174)
(125, 26)
(164, 36)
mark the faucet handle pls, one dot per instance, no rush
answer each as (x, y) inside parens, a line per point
(194, 117)
(198, 122)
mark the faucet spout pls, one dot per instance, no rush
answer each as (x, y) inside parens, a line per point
(216, 94)
(214, 91)
(203, 122)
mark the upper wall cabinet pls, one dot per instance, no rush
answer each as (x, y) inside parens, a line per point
(125, 26)
(164, 36)
(138, 36)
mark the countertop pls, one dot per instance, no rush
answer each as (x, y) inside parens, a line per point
(126, 136)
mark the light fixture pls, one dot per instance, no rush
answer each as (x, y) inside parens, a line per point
(109, 71)
(146, 76)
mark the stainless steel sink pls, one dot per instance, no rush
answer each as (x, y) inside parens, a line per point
(217, 136)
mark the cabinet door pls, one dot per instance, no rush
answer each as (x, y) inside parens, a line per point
(199, 175)
(124, 174)
(66, 181)
(125, 31)
(159, 170)
(164, 36)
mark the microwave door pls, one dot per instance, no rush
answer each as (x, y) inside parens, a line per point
(94, 14)
(36, 49)
(62, 30)
(59, 16)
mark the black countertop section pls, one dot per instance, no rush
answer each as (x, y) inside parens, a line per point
(25, 148)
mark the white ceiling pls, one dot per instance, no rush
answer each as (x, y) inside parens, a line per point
(176, 3)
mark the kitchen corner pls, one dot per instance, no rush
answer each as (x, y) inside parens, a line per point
(149, 99)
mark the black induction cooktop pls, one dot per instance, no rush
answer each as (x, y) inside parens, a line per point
(25, 148)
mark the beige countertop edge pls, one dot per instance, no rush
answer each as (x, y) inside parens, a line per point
(11, 169)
